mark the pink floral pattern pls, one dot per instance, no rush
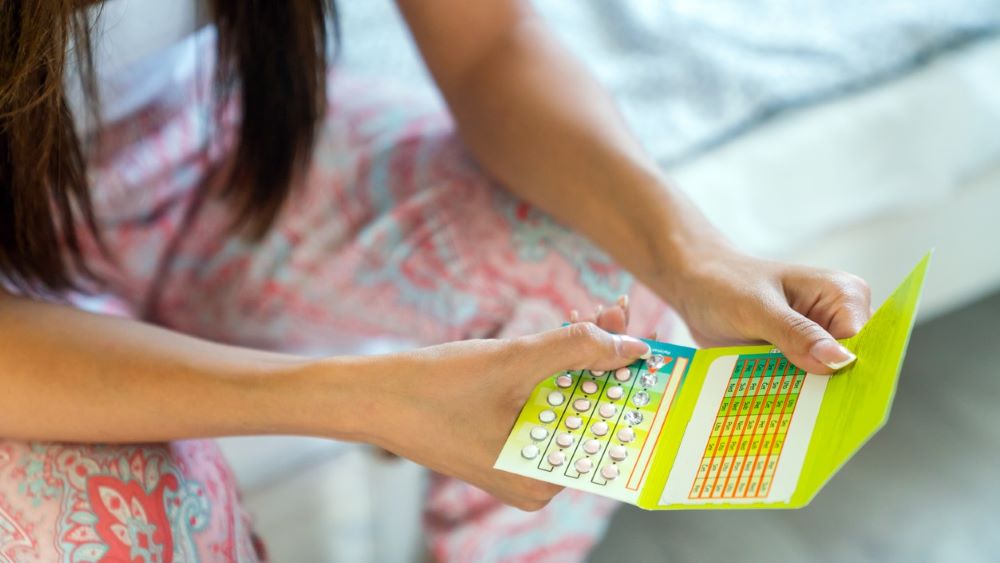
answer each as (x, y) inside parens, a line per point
(148, 503)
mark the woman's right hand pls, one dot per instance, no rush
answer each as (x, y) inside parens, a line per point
(451, 407)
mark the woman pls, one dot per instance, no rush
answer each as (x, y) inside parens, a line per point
(261, 212)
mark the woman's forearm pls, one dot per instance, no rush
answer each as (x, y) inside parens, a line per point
(69, 375)
(540, 123)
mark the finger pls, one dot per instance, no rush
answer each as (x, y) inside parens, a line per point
(574, 316)
(585, 346)
(849, 320)
(805, 343)
(855, 308)
(613, 320)
(623, 302)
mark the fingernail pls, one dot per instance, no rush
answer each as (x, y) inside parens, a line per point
(632, 347)
(574, 316)
(832, 354)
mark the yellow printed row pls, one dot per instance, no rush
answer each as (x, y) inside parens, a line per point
(761, 423)
(775, 385)
(738, 466)
(758, 487)
(749, 445)
(777, 404)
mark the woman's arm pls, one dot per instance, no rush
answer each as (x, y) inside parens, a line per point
(68, 375)
(537, 120)
(541, 124)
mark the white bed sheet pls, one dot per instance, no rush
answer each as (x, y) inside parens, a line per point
(870, 181)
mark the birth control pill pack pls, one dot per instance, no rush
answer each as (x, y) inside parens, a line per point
(737, 427)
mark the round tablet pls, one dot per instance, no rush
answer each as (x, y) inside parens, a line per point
(583, 465)
(599, 428)
(538, 433)
(597, 372)
(564, 381)
(609, 472)
(633, 417)
(626, 435)
(573, 422)
(555, 398)
(529, 452)
(564, 440)
(618, 453)
(615, 393)
(557, 458)
(589, 386)
(581, 405)
(640, 399)
(623, 374)
(546, 416)
(607, 411)
(592, 446)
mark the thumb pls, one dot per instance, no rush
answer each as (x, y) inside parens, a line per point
(805, 343)
(587, 346)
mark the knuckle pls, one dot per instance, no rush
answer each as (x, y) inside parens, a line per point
(860, 286)
(851, 285)
(586, 333)
(800, 331)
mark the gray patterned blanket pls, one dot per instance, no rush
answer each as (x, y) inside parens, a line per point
(690, 74)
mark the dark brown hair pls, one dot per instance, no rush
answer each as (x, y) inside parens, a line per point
(272, 53)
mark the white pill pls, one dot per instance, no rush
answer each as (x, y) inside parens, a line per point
(617, 453)
(615, 393)
(555, 398)
(607, 411)
(609, 472)
(599, 428)
(546, 416)
(626, 435)
(581, 405)
(623, 374)
(564, 440)
(529, 452)
(583, 465)
(557, 458)
(597, 372)
(564, 381)
(538, 433)
(573, 422)
(589, 386)
(592, 446)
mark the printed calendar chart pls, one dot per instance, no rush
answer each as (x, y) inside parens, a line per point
(717, 428)
(750, 428)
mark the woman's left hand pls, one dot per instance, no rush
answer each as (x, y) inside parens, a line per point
(729, 298)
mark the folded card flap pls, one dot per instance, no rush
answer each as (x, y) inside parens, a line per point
(858, 399)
